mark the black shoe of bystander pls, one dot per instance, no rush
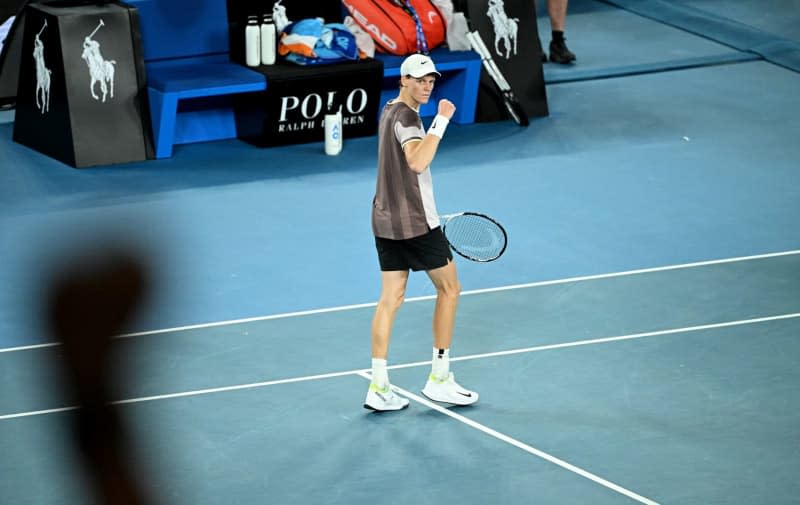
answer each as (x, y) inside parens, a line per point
(559, 53)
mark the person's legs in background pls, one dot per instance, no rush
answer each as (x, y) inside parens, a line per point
(559, 53)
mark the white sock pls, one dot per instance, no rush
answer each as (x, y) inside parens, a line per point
(440, 365)
(380, 376)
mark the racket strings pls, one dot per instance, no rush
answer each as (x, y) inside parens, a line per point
(475, 237)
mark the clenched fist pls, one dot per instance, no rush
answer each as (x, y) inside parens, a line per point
(446, 108)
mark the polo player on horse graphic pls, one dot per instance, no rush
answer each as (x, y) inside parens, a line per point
(100, 70)
(42, 74)
(505, 28)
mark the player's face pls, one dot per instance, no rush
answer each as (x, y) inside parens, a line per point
(420, 88)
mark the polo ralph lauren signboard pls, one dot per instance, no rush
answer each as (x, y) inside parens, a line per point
(292, 109)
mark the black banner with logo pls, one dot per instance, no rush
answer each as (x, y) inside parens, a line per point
(81, 96)
(508, 28)
(292, 109)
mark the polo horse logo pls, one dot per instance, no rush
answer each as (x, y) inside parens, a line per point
(42, 74)
(101, 71)
(505, 28)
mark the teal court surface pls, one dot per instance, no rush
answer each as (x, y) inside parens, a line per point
(668, 385)
(637, 342)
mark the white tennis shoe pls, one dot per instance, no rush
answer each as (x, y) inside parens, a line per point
(448, 391)
(382, 399)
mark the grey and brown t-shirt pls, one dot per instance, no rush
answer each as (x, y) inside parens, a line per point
(403, 206)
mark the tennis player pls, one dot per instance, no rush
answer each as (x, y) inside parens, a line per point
(408, 236)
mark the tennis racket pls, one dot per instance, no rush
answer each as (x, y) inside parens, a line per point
(515, 109)
(474, 236)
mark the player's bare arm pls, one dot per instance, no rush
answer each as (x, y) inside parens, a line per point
(419, 155)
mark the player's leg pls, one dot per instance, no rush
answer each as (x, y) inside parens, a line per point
(393, 288)
(448, 289)
(441, 385)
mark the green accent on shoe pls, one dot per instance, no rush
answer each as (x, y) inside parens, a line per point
(377, 389)
(437, 380)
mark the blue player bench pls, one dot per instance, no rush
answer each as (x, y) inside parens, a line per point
(191, 80)
(171, 86)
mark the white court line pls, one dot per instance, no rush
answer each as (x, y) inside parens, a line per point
(254, 385)
(430, 297)
(520, 445)
(196, 392)
(604, 340)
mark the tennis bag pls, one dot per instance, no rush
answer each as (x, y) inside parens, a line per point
(393, 26)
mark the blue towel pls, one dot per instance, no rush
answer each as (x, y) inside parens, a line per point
(311, 42)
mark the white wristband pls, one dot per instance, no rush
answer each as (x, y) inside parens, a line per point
(438, 126)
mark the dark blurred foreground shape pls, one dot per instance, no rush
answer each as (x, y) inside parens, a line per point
(89, 302)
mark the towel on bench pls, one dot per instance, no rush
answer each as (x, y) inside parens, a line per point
(313, 42)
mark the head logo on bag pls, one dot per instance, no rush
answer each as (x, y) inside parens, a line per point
(384, 41)
(394, 28)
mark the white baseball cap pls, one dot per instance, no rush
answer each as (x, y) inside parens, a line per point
(418, 65)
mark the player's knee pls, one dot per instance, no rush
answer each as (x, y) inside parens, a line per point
(450, 289)
(398, 299)
(393, 300)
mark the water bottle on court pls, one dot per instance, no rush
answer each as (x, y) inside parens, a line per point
(267, 40)
(252, 42)
(333, 132)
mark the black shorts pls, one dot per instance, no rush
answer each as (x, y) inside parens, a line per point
(425, 252)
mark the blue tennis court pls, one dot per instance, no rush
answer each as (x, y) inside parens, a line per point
(636, 343)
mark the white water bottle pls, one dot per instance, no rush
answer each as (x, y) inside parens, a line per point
(252, 42)
(333, 133)
(267, 40)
